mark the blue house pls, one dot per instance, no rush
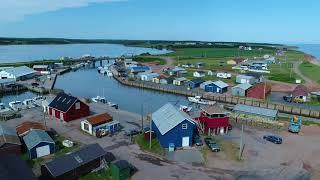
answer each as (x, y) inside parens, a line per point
(217, 87)
(194, 83)
(173, 126)
(38, 144)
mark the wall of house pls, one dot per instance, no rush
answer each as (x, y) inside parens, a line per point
(90, 127)
(238, 92)
(33, 152)
(175, 135)
(258, 91)
(213, 88)
(74, 113)
(9, 148)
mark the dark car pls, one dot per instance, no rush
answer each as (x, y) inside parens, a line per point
(197, 141)
(214, 147)
(273, 138)
(287, 98)
(132, 132)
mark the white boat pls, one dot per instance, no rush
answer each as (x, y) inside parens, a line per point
(28, 103)
(185, 108)
(99, 99)
(198, 100)
(16, 105)
(38, 100)
(3, 108)
(116, 106)
(109, 73)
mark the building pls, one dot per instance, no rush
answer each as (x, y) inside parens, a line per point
(213, 120)
(27, 126)
(122, 170)
(258, 76)
(9, 141)
(203, 85)
(148, 76)
(168, 80)
(256, 111)
(194, 83)
(210, 73)
(66, 108)
(18, 73)
(199, 74)
(173, 127)
(72, 166)
(244, 79)
(38, 144)
(235, 61)
(40, 68)
(140, 69)
(179, 81)
(12, 167)
(176, 71)
(128, 63)
(217, 87)
(259, 91)
(224, 75)
(240, 89)
(9, 81)
(101, 123)
(300, 92)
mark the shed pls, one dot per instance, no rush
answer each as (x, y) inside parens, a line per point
(203, 85)
(173, 126)
(72, 166)
(256, 111)
(120, 170)
(240, 89)
(179, 81)
(217, 87)
(300, 92)
(27, 126)
(259, 91)
(199, 74)
(194, 83)
(9, 141)
(18, 73)
(168, 80)
(258, 76)
(244, 79)
(98, 123)
(12, 167)
(139, 69)
(66, 108)
(38, 144)
(148, 76)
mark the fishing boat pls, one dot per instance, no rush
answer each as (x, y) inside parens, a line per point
(38, 100)
(185, 108)
(16, 105)
(3, 108)
(99, 99)
(28, 103)
(199, 100)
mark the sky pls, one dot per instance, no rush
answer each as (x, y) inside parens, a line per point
(272, 21)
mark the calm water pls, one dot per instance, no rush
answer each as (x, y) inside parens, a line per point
(22, 53)
(313, 49)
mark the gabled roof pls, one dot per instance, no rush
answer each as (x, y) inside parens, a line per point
(8, 135)
(255, 110)
(206, 83)
(99, 119)
(20, 71)
(35, 137)
(197, 80)
(13, 167)
(181, 79)
(300, 90)
(27, 126)
(168, 117)
(63, 102)
(221, 84)
(69, 162)
(200, 72)
(244, 86)
(245, 77)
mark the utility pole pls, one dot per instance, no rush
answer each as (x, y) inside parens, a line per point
(241, 142)
(150, 131)
(142, 117)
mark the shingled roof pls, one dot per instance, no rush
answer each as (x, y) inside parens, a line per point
(63, 102)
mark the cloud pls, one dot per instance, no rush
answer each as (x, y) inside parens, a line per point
(15, 10)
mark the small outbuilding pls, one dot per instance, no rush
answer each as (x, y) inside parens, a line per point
(39, 144)
(256, 111)
(179, 81)
(240, 89)
(40, 68)
(258, 76)
(217, 87)
(199, 74)
(244, 79)
(101, 123)
(9, 141)
(203, 85)
(148, 76)
(259, 91)
(27, 126)
(300, 92)
(194, 83)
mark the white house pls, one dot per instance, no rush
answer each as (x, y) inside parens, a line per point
(101, 123)
(17, 73)
(129, 63)
(148, 76)
(210, 73)
(179, 81)
(199, 74)
(224, 75)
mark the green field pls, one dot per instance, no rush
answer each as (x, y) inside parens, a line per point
(147, 59)
(283, 73)
(144, 145)
(310, 70)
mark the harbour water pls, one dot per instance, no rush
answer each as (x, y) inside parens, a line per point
(313, 49)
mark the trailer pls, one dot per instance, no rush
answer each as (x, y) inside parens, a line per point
(295, 124)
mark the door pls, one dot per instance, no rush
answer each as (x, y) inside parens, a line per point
(185, 141)
(43, 151)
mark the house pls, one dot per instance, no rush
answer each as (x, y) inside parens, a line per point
(72, 166)
(258, 76)
(213, 120)
(66, 108)
(173, 127)
(210, 73)
(244, 79)
(224, 75)
(203, 85)
(300, 92)
(176, 71)
(140, 69)
(235, 61)
(200, 65)
(38, 144)
(179, 81)
(256, 111)
(148, 76)
(199, 74)
(12, 167)
(95, 125)
(259, 91)
(168, 80)
(40, 68)
(27, 126)
(240, 89)
(9, 141)
(128, 63)
(18, 73)
(217, 87)
(194, 83)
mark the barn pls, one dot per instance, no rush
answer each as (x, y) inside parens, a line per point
(9, 141)
(173, 126)
(66, 108)
(38, 144)
(259, 91)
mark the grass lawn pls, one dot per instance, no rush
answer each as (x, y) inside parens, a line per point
(144, 145)
(310, 70)
(104, 174)
(314, 102)
(146, 59)
(281, 72)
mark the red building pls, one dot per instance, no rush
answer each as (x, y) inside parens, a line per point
(40, 68)
(66, 108)
(259, 91)
(213, 120)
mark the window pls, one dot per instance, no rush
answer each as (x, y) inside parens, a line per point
(184, 126)
(86, 126)
(78, 105)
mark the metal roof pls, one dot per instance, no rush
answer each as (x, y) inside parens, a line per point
(35, 137)
(197, 80)
(221, 84)
(168, 117)
(8, 135)
(245, 77)
(40, 66)
(20, 71)
(206, 83)
(256, 110)
(140, 68)
(63, 102)
(244, 86)
(6, 81)
(151, 74)
(69, 162)
(181, 79)
(6, 130)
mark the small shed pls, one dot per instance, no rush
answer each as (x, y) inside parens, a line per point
(194, 83)
(259, 91)
(210, 73)
(148, 76)
(38, 144)
(203, 85)
(258, 76)
(179, 81)
(256, 111)
(100, 122)
(120, 170)
(240, 89)
(27, 126)
(9, 141)
(235, 61)
(199, 74)
(244, 79)
(300, 92)
(168, 80)
(217, 87)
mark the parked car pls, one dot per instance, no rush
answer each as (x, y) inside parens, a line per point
(197, 141)
(287, 98)
(214, 147)
(131, 132)
(273, 138)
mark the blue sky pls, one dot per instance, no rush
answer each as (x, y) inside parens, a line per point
(274, 21)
